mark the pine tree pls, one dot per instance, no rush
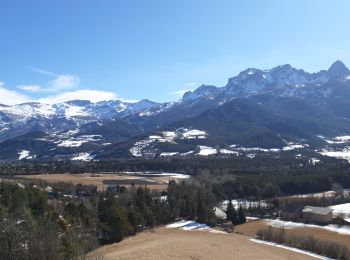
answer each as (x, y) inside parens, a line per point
(231, 213)
(241, 215)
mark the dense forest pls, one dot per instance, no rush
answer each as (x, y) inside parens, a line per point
(234, 177)
(261, 164)
(68, 224)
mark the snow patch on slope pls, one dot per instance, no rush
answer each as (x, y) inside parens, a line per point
(289, 248)
(83, 157)
(193, 225)
(345, 230)
(24, 154)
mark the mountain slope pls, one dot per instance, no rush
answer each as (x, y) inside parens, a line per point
(268, 109)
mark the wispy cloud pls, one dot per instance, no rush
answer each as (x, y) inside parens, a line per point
(58, 83)
(31, 88)
(83, 94)
(43, 72)
(12, 97)
(192, 84)
(179, 93)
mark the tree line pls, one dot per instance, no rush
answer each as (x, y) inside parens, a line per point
(36, 224)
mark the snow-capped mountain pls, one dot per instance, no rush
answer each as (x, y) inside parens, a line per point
(52, 118)
(281, 81)
(266, 108)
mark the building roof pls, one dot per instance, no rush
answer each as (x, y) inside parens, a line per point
(317, 210)
(219, 213)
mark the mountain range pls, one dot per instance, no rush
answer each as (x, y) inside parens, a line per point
(276, 110)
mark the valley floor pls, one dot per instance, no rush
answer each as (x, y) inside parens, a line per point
(164, 243)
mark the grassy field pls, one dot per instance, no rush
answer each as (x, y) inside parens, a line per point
(166, 243)
(250, 229)
(154, 182)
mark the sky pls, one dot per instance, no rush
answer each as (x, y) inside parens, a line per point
(53, 51)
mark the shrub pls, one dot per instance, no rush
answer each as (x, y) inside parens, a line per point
(310, 243)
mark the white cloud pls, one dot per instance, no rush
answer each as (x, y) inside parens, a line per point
(192, 84)
(58, 82)
(83, 94)
(32, 88)
(64, 81)
(44, 72)
(10, 97)
(180, 93)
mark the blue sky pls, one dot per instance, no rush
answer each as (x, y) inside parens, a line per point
(133, 49)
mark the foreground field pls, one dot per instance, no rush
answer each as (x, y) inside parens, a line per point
(166, 243)
(153, 181)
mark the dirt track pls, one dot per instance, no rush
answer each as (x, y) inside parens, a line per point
(178, 244)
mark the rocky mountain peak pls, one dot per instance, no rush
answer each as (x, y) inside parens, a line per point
(338, 69)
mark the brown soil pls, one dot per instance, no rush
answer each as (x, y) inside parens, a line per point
(166, 244)
(154, 183)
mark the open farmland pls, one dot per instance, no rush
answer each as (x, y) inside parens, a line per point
(154, 181)
(250, 229)
(179, 244)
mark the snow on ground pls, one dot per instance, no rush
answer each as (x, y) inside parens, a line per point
(193, 225)
(290, 146)
(138, 149)
(160, 174)
(289, 248)
(24, 154)
(78, 141)
(83, 157)
(345, 230)
(194, 133)
(207, 150)
(341, 154)
(255, 149)
(294, 146)
(336, 140)
(70, 143)
(341, 209)
(226, 151)
(23, 112)
(318, 194)
(187, 153)
(139, 146)
(168, 154)
(73, 111)
(314, 161)
(330, 193)
(244, 203)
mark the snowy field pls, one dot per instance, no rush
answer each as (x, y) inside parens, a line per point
(342, 209)
(340, 154)
(145, 147)
(344, 230)
(159, 174)
(336, 140)
(83, 157)
(193, 225)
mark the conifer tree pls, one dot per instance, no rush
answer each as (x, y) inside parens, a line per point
(241, 215)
